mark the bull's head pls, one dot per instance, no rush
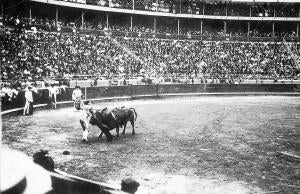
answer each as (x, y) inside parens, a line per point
(93, 117)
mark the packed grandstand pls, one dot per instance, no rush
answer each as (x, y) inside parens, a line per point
(157, 47)
(108, 39)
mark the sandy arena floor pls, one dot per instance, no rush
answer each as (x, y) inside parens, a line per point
(183, 145)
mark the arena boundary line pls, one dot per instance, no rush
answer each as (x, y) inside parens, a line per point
(63, 104)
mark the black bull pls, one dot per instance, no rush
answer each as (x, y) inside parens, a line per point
(107, 120)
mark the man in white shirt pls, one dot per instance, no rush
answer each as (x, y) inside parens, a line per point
(76, 97)
(28, 108)
(52, 95)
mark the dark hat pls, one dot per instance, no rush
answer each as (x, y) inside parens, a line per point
(129, 185)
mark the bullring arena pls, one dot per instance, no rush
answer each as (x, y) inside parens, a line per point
(212, 144)
(215, 85)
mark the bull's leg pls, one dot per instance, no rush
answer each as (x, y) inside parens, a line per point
(118, 129)
(124, 128)
(105, 129)
(108, 135)
(132, 124)
(100, 136)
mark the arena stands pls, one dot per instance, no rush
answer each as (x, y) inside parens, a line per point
(204, 7)
(44, 45)
(263, 9)
(34, 55)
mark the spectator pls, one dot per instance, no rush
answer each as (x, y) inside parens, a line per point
(44, 160)
(52, 95)
(77, 98)
(9, 93)
(28, 108)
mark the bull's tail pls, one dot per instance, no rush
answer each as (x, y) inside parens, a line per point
(135, 114)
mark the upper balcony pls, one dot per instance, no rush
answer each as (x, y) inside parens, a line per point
(248, 10)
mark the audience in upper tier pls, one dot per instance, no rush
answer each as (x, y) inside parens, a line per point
(163, 27)
(201, 7)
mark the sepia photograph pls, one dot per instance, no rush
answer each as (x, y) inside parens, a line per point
(150, 96)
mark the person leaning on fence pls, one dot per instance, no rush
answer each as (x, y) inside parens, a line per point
(11, 93)
(76, 97)
(28, 108)
(8, 94)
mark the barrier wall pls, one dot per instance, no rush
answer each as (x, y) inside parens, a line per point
(120, 82)
(42, 97)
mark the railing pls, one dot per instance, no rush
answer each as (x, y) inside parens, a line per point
(168, 36)
(208, 80)
(95, 81)
(154, 90)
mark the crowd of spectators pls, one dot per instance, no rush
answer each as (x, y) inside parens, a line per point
(35, 54)
(203, 7)
(193, 31)
(188, 27)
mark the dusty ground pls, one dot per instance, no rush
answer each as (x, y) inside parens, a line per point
(185, 145)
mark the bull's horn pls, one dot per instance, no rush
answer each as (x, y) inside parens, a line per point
(91, 110)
